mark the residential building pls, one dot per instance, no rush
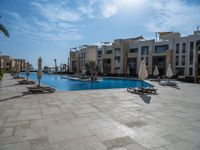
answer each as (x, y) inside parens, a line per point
(105, 57)
(6, 62)
(21, 63)
(123, 56)
(80, 56)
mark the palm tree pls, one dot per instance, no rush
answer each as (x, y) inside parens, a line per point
(91, 69)
(4, 30)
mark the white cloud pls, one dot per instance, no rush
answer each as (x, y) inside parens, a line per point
(63, 21)
(174, 15)
(38, 29)
(56, 12)
(113, 7)
(109, 9)
(86, 10)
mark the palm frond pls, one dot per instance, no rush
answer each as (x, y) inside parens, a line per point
(4, 30)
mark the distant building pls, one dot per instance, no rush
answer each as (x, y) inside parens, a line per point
(123, 56)
(6, 62)
(21, 63)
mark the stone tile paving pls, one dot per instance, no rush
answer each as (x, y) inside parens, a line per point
(99, 119)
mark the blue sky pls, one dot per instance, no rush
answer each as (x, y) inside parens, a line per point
(49, 28)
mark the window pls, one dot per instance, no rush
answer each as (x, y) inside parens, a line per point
(133, 50)
(191, 58)
(183, 47)
(117, 60)
(99, 53)
(117, 70)
(145, 50)
(198, 44)
(183, 60)
(161, 48)
(191, 46)
(177, 48)
(147, 60)
(190, 71)
(142, 58)
(177, 60)
(117, 51)
(82, 55)
(132, 62)
(99, 62)
(109, 52)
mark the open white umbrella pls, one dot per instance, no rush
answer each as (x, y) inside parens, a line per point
(169, 72)
(27, 70)
(156, 72)
(39, 73)
(142, 72)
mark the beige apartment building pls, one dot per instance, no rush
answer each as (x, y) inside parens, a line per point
(123, 56)
(80, 56)
(21, 63)
(6, 62)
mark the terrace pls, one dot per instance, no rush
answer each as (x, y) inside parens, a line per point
(99, 119)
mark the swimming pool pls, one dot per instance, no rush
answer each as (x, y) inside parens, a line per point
(61, 84)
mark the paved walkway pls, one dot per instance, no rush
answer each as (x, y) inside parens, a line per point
(99, 119)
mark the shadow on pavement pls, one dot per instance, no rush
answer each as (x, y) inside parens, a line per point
(14, 97)
(9, 85)
(146, 98)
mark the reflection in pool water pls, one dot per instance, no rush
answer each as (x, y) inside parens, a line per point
(64, 84)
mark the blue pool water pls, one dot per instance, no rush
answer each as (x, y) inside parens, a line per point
(68, 85)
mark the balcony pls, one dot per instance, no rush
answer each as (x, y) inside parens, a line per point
(131, 55)
(106, 56)
(117, 64)
(117, 54)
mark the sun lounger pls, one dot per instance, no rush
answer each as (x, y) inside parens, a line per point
(166, 83)
(156, 80)
(150, 90)
(40, 89)
(18, 77)
(25, 82)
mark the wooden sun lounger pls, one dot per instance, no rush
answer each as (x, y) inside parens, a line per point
(165, 83)
(150, 90)
(40, 89)
(25, 82)
(17, 77)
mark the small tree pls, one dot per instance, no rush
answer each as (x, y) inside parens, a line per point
(92, 69)
(46, 69)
